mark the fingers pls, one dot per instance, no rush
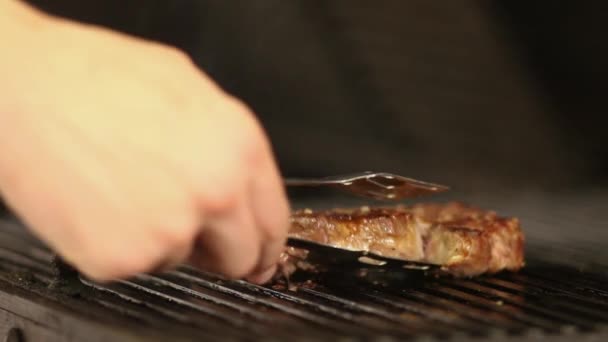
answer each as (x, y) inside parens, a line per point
(246, 240)
(175, 257)
(246, 237)
(271, 213)
(263, 277)
(228, 244)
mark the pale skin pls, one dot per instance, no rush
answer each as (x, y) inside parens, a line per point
(126, 158)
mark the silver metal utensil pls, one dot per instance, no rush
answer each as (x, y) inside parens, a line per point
(376, 185)
(326, 254)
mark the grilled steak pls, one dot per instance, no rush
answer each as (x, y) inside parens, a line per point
(466, 241)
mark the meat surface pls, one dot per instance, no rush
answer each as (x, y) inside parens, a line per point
(464, 240)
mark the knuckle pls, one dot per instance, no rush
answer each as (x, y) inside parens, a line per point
(244, 265)
(217, 192)
(252, 146)
(179, 54)
(247, 121)
(182, 239)
(178, 233)
(221, 199)
(240, 270)
(175, 240)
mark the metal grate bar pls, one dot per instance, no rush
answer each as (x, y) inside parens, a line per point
(435, 315)
(15, 248)
(239, 314)
(464, 308)
(145, 310)
(521, 320)
(506, 314)
(237, 322)
(412, 324)
(558, 302)
(123, 295)
(544, 317)
(428, 320)
(582, 285)
(323, 315)
(15, 271)
(558, 288)
(125, 309)
(24, 262)
(238, 307)
(278, 319)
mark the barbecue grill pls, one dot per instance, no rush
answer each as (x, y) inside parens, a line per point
(561, 294)
(470, 102)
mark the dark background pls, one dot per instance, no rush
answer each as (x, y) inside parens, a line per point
(475, 94)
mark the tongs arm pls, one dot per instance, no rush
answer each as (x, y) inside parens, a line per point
(328, 254)
(376, 185)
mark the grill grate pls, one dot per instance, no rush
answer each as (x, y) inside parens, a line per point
(546, 299)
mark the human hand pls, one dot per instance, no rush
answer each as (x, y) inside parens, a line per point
(124, 157)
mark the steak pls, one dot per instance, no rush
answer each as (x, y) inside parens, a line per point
(464, 240)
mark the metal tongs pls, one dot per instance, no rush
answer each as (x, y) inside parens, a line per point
(375, 185)
(330, 255)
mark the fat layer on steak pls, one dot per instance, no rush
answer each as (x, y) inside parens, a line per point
(464, 240)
